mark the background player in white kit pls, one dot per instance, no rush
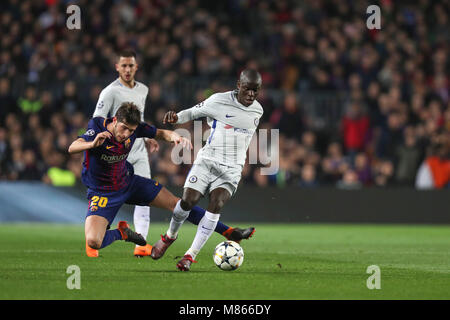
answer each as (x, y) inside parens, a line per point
(127, 89)
(233, 117)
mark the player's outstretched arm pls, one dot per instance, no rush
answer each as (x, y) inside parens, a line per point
(172, 136)
(200, 110)
(81, 145)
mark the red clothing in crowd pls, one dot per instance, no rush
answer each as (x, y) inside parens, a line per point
(440, 170)
(354, 132)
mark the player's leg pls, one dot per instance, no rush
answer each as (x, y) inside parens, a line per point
(97, 237)
(150, 192)
(205, 228)
(94, 230)
(166, 200)
(141, 214)
(141, 220)
(221, 190)
(147, 190)
(102, 211)
(217, 199)
(228, 180)
(189, 200)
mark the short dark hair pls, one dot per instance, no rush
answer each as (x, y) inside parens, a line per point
(126, 54)
(128, 113)
(250, 75)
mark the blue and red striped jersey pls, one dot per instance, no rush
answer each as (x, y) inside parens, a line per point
(106, 168)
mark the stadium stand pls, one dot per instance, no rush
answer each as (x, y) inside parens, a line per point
(355, 107)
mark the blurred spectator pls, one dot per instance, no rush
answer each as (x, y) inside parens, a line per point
(30, 102)
(308, 177)
(363, 169)
(383, 173)
(349, 180)
(434, 172)
(355, 128)
(288, 118)
(334, 164)
(408, 157)
(6, 99)
(155, 101)
(30, 171)
(391, 135)
(69, 102)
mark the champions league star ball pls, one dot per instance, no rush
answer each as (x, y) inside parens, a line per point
(228, 255)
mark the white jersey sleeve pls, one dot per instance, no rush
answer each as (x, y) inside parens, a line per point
(105, 103)
(203, 109)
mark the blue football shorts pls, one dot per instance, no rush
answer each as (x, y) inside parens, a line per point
(141, 191)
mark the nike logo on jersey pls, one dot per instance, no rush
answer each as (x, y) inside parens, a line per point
(109, 147)
(228, 116)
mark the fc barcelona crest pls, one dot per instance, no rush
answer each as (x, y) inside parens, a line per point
(127, 143)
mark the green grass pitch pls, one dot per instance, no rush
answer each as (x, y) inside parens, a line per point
(295, 261)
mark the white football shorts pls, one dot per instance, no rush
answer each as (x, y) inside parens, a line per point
(207, 175)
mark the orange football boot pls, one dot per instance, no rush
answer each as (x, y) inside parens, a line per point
(93, 253)
(141, 251)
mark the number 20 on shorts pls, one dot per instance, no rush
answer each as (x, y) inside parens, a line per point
(96, 202)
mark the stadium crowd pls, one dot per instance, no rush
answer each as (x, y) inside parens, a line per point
(392, 127)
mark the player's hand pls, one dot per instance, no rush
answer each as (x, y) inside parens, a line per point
(100, 138)
(170, 117)
(153, 145)
(177, 139)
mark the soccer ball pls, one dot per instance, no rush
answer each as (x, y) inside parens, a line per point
(228, 255)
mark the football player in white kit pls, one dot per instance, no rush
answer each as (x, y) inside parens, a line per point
(127, 89)
(233, 117)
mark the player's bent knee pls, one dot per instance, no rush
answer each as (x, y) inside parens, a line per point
(190, 198)
(187, 204)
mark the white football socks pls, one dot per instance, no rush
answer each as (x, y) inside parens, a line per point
(204, 230)
(178, 218)
(141, 220)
